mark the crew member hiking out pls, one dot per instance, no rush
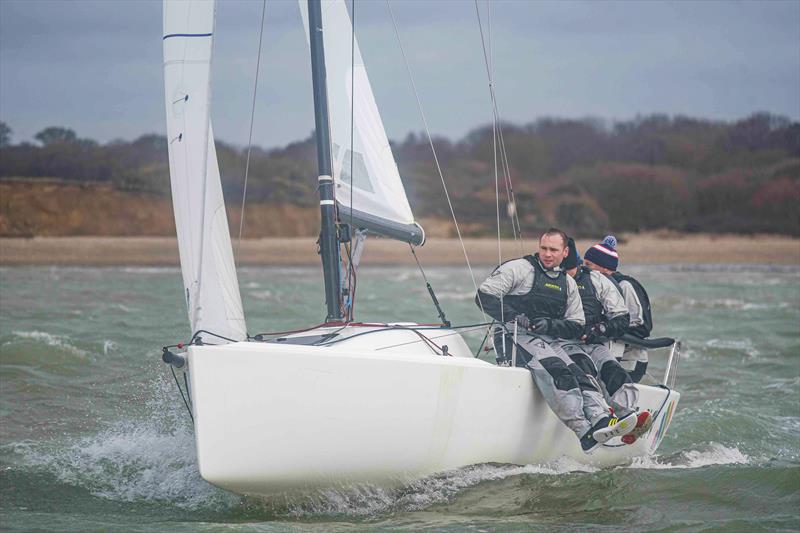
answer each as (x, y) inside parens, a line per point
(607, 318)
(544, 302)
(603, 257)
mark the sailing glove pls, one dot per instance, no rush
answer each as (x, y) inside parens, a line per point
(540, 325)
(596, 334)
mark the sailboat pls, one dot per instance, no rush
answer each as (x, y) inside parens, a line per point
(342, 402)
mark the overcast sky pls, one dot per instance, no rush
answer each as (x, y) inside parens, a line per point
(96, 66)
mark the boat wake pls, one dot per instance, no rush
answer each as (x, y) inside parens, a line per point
(129, 463)
(144, 463)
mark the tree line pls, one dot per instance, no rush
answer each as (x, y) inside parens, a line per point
(587, 176)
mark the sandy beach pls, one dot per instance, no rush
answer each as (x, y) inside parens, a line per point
(652, 248)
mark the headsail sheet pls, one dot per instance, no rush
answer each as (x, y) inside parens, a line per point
(211, 289)
(378, 198)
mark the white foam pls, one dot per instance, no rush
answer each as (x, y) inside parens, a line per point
(369, 500)
(134, 464)
(262, 295)
(109, 346)
(145, 460)
(713, 454)
(50, 340)
(744, 345)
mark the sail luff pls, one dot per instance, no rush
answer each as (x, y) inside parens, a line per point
(209, 274)
(204, 169)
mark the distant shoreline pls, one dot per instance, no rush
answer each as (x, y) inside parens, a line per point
(650, 248)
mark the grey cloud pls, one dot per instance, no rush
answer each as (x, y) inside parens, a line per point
(95, 66)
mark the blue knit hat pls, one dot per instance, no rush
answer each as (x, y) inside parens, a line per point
(604, 253)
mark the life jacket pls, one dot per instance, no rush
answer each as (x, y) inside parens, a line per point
(592, 306)
(547, 297)
(642, 330)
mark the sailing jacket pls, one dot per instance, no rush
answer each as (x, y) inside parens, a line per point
(524, 287)
(641, 318)
(602, 302)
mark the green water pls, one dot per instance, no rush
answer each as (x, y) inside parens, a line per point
(93, 436)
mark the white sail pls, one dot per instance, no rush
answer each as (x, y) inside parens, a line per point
(377, 189)
(211, 289)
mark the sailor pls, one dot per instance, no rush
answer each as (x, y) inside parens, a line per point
(606, 318)
(603, 257)
(536, 296)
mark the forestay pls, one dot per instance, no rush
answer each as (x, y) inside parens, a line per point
(379, 201)
(209, 274)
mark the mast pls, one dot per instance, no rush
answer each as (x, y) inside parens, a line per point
(328, 240)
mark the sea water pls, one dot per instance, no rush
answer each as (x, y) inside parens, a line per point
(94, 435)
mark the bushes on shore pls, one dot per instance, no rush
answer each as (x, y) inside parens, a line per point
(653, 172)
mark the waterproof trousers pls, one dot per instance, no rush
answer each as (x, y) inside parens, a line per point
(598, 361)
(634, 360)
(566, 388)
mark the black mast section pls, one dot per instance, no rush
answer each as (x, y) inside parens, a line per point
(328, 240)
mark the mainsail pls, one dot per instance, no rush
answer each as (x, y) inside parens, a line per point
(211, 289)
(379, 201)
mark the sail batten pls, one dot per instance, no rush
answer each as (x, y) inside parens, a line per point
(211, 288)
(365, 172)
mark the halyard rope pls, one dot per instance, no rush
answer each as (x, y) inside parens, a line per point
(250, 137)
(497, 131)
(433, 148)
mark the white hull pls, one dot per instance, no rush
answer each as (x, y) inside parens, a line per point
(379, 408)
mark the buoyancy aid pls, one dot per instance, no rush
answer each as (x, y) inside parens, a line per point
(643, 330)
(592, 306)
(547, 297)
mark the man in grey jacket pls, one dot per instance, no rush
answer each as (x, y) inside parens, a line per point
(607, 318)
(604, 258)
(543, 301)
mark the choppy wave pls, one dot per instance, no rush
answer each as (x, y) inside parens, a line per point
(369, 500)
(48, 339)
(144, 463)
(125, 465)
(721, 303)
(713, 454)
(744, 345)
(265, 295)
(712, 348)
(147, 270)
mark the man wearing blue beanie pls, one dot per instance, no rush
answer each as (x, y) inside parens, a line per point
(606, 318)
(603, 254)
(603, 257)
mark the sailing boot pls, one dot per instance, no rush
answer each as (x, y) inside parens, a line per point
(588, 444)
(606, 429)
(643, 424)
(611, 426)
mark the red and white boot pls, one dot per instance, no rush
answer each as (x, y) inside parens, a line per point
(644, 421)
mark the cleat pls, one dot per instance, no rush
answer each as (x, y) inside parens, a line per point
(643, 424)
(609, 427)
